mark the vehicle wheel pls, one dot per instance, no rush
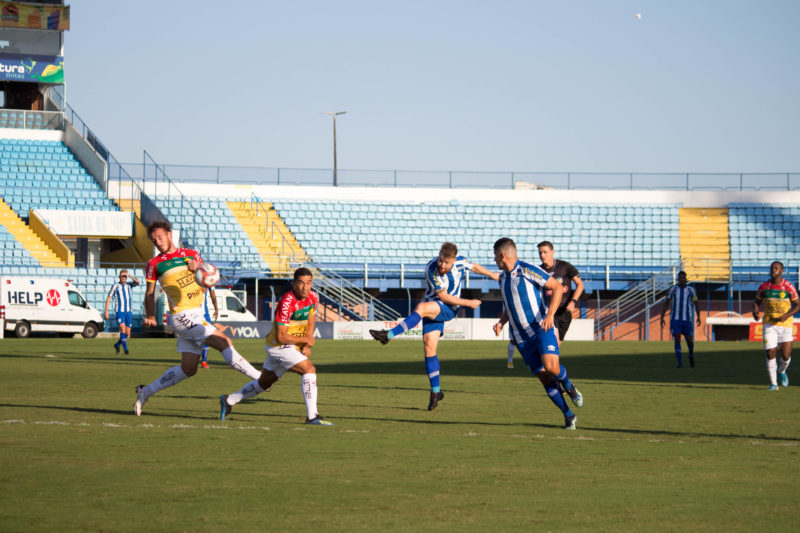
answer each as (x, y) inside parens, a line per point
(22, 329)
(89, 330)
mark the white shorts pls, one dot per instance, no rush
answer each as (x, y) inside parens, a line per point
(775, 335)
(192, 330)
(282, 358)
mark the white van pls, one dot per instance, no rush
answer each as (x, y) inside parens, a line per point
(36, 304)
(231, 308)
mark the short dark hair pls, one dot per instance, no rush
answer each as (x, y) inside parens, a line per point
(545, 243)
(504, 243)
(156, 224)
(682, 272)
(300, 272)
(777, 263)
(449, 249)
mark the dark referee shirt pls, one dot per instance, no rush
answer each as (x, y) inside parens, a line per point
(563, 272)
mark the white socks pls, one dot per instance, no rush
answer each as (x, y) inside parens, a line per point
(772, 368)
(239, 363)
(248, 391)
(168, 379)
(511, 350)
(308, 385)
(783, 364)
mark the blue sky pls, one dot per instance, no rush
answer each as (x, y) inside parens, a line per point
(691, 86)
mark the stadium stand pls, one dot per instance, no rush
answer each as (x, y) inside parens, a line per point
(761, 233)
(46, 175)
(209, 226)
(406, 232)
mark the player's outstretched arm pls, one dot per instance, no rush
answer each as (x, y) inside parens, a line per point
(478, 269)
(756, 309)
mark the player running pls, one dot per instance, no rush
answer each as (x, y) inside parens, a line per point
(782, 303)
(174, 269)
(531, 322)
(444, 275)
(288, 348)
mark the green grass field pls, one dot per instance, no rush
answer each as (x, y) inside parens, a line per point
(657, 448)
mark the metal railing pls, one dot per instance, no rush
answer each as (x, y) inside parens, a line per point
(271, 228)
(350, 298)
(635, 302)
(722, 181)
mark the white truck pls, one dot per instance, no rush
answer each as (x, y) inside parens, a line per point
(41, 304)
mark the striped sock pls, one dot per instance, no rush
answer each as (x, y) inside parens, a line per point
(563, 379)
(555, 396)
(432, 368)
(406, 324)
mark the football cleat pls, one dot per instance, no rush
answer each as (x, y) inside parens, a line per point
(127, 352)
(204, 364)
(784, 379)
(116, 348)
(772, 387)
(318, 421)
(436, 397)
(571, 422)
(576, 396)
(380, 335)
(510, 364)
(137, 405)
(224, 408)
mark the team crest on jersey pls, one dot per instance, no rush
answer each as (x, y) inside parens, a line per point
(782, 295)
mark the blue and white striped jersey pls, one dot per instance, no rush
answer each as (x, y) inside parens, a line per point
(450, 282)
(682, 301)
(121, 293)
(524, 298)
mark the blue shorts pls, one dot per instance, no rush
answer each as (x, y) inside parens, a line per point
(682, 327)
(545, 342)
(125, 317)
(437, 324)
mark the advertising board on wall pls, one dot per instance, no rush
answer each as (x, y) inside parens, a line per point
(31, 68)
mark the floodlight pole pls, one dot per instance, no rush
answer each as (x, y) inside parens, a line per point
(334, 114)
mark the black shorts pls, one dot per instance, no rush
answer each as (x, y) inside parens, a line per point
(562, 319)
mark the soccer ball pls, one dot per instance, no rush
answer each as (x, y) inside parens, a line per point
(207, 275)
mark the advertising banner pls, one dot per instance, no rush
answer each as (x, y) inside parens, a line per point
(260, 329)
(757, 331)
(88, 223)
(31, 68)
(34, 16)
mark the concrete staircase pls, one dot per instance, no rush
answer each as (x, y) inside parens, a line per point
(271, 237)
(29, 239)
(705, 245)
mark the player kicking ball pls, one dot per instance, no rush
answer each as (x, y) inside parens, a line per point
(288, 347)
(531, 321)
(444, 276)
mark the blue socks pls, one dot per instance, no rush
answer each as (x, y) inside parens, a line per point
(205, 354)
(406, 324)
(432, 368)
(563, 379)
(678, 352)
(555, 395)
(123, 340)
